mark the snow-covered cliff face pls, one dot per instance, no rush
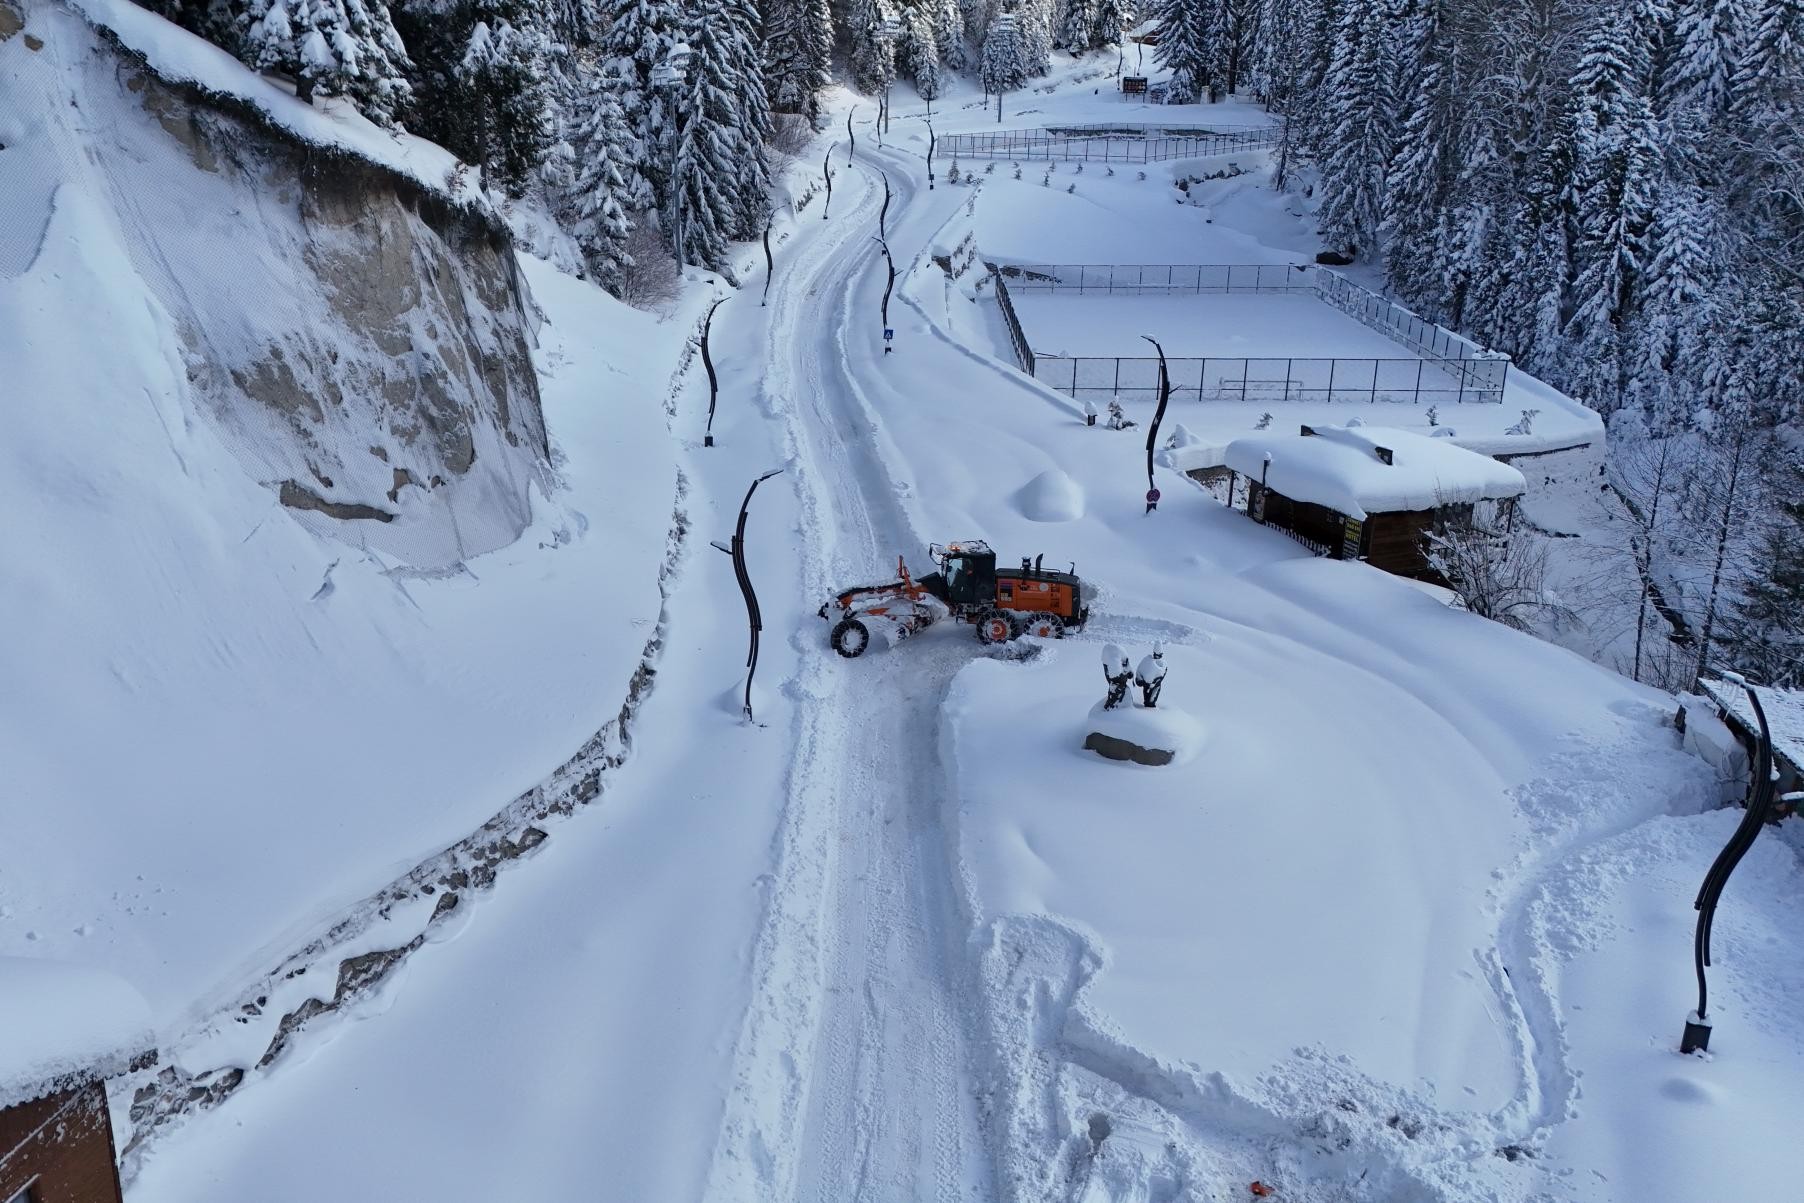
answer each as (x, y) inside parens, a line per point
(359, 343)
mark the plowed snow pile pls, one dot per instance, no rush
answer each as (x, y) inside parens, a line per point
(1051, 496)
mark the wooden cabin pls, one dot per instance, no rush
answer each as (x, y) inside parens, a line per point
(64, 1030)
(1368, 493)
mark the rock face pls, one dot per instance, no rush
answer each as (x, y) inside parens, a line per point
(1121, 749)
(359, 342)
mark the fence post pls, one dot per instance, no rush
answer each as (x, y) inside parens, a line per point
(1420, 364)
(1287, 366)
(1331, 364)
(1202, 377)
(1461, 399)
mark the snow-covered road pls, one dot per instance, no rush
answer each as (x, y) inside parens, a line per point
(881, 1044)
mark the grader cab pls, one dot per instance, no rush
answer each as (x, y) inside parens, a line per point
(1002, 604)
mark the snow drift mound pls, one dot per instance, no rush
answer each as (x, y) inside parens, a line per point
(1051, 496)
(1157, 736)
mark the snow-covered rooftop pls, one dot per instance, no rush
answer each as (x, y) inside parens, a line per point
(62, 1023)
(1784, 714)
(1340, 467)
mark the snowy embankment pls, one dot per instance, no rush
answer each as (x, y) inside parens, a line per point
(1375, 858)
(224, 730)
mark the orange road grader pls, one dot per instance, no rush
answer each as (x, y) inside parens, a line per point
(1003, 604)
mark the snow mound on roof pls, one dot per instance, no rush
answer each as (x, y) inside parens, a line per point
(1341, 468)
(1051, 496)
(61, 1022)
(1164, 728)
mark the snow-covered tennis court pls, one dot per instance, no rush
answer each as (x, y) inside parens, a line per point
(1216, 325)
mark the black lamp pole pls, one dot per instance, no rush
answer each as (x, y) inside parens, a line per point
(930, 144)
(851, 139)
(827, 173)
(1697, 1024)
(883, 213)
(1152, 432)
(887, 288)
(754, 619)
(713, 378)
(770, 264)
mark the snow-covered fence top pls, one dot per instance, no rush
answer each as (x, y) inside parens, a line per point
(1478, 373)
(63, 1025)
(1359, 471)
(1104, 145)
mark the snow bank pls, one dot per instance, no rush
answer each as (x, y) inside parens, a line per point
(62, 1023)
(1709, 739)
(1339, 467)
(1052, 496)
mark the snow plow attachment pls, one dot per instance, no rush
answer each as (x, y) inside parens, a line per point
(895, 611)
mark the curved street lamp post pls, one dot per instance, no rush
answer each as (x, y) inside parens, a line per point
(1697, 1025)
(708, 362)
(754, 619)
(1152, 432)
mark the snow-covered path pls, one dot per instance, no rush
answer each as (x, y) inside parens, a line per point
(882, 1064)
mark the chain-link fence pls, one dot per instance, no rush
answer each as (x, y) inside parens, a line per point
(1075, 146)
(1421, 381)
(1453, 368)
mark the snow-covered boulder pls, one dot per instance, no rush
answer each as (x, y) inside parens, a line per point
(1051, 496)
(1158, 736)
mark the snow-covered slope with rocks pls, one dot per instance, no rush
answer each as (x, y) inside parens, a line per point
(225, 723)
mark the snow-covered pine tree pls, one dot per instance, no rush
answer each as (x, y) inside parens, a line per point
(1110, 18)
(331, 48)
(1765, 627)
(798, 47)
(1076, 26)
(1362, 125)
(1419, 170)
(504, 77)
(639, 36)
(1003, 65)
(1615, 166)
(213, 20)
(751, 109)
(949, 41)
(1186, 45)
(918, 50)
(598, 194)
(705, 200)
(1700, 64)
(873, 54)
(1034, 17)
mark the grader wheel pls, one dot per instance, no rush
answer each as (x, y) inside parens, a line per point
(996, 626)
(850, 638)
(1045, 626)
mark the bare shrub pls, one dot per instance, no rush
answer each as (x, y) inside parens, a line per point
(649, 275)
(790, 134)
(1497, 573)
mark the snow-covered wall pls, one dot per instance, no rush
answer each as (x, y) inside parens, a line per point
(360, 342)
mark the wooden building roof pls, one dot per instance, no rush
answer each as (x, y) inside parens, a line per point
(1364, 470)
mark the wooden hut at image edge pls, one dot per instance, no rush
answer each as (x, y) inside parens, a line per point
(1369, 493)
(64, 1030)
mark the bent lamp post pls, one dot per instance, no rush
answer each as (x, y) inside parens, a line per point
(827, 172)
(888, 287)
(753, 618)
(1697, 1024)
(1152, 432)
(770, 263)
(708, 362)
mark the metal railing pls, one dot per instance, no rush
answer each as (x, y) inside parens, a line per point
(1474, 373)
(1418, 381)
(1023, 351)
(1106, 146)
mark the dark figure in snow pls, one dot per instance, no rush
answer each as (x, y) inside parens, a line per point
(1117, 673)
(1150, 676)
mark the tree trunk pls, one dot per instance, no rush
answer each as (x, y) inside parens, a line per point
(1724, 524)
